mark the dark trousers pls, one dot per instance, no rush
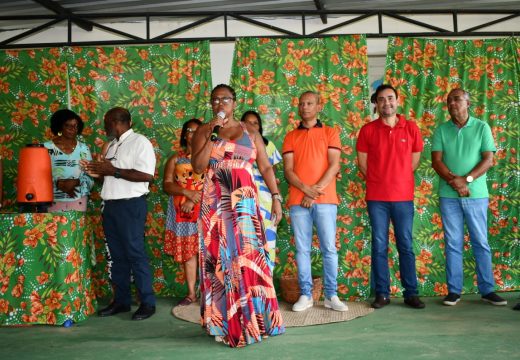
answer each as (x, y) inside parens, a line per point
(123, 223)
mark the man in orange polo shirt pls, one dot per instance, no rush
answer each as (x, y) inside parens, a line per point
(311, 155)
(389, 149)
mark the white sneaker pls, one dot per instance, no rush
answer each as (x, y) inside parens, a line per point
(303, 303)
(335, 304)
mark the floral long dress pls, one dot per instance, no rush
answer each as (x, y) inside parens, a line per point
(238, 299)
(181, 238)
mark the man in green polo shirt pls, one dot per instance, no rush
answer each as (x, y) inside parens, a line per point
(462, 152)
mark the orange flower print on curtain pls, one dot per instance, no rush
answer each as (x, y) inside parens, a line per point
(424, 71)
(40, 278)
(269, 75)
(33, 84)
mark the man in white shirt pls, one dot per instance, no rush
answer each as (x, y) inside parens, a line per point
(127, 168)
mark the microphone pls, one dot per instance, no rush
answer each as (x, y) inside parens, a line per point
(214, 132)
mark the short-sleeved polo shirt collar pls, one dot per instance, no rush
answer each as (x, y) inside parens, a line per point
(401, 122)
(317, 125)
(470, 122)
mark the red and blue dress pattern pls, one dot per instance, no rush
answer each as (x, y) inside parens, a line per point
(238, 299)
(181, 239)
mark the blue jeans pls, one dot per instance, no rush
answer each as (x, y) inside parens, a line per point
(401, 214)
(454, 213)
(302, 220)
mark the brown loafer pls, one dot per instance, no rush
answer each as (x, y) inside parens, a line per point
(144, 312)
(380, 301)
(113, 308)
(414, 302)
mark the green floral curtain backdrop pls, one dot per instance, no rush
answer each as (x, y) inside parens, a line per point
(165, 85)
(33, 84)
(162, 86)
(424, 71)
(269, 75)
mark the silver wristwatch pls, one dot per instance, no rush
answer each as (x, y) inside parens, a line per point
(278, 197)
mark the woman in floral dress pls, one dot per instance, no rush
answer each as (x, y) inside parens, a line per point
(184, 187)
(238, 299)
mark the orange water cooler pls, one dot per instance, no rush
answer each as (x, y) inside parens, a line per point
(34, 184)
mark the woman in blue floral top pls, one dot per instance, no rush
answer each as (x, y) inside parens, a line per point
(71, 184)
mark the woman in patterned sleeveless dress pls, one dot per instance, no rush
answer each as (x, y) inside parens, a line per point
(238, 299)
(253, 121)
(181, 238)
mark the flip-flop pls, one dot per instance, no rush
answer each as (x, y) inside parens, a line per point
(221, 339)
(185, 302)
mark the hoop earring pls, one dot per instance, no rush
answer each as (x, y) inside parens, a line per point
(59, 133)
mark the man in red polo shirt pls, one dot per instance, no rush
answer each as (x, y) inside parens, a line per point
(311, 155)
(389, 149)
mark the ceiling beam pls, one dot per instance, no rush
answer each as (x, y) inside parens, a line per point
(512, 16)
(58, 9)
(187, 27)
(30, 32)
(250, 17)
(321, 6)
(261, 24)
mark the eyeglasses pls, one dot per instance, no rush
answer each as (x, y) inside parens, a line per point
(190, 130)
(224, 100)
(113, 157)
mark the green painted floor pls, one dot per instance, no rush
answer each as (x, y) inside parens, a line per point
(470, 330)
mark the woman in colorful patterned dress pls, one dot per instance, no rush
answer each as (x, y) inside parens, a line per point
(71, 184)
(238, 299)
(253, 122)
(181, 238)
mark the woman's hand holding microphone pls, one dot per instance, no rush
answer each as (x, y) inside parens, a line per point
(218, 121)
